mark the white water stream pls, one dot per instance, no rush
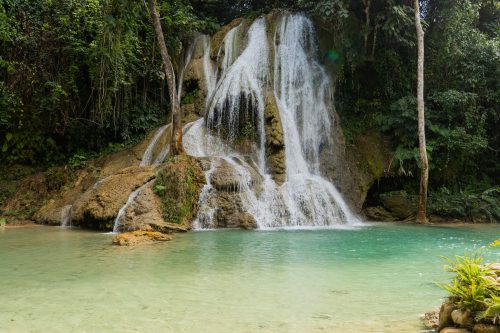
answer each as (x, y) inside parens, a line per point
(303, 92)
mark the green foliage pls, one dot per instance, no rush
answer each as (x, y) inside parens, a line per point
(471, 205)
(474, 284)
(178, 185)
(77, 75)
(77, 161)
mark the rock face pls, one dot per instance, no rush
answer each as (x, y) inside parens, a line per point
(275, 144)
(97, 207)
(145, 214)
(140, 237)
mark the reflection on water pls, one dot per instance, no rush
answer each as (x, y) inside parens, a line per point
(373, 279)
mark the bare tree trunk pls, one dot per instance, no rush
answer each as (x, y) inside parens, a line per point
(424, 175)
(367, 4)
(176, 143)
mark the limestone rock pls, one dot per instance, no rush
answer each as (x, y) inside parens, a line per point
(98, 206)
(140, 237)
(445, 319)
(219, 36)
(486, 328)
(145, 214)
(241, 220)
(462, 317)
(226, 177)
(275, 144)
(398, 203)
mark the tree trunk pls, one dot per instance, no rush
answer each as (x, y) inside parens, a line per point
(176, 143)
(424, 172)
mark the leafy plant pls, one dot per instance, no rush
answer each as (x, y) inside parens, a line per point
(474, 285)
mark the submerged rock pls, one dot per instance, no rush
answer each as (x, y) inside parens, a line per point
(140, 237)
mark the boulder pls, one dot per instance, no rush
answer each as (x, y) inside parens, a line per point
(445, 319)
(486, 328)
(227, 178)
(378, 213)
(454, 330)
(462, 318)
(99, 205)
(241, 220)
(145, 214)
(140, 237)
(495, 266)
(398, 203)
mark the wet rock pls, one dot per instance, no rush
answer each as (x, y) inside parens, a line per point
(445, 319)
(226, 177)
(241, 220)
(275, 144)
(98, 206)
(219, 36)
(140, 237)
(462, 317)
(431, 319)
(378, 213)
(486, 328)
(145, 214)
(454, 330)
(398, 203)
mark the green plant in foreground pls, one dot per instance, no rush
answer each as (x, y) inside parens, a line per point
(474, 286)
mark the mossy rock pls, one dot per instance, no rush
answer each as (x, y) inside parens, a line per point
(178, 185)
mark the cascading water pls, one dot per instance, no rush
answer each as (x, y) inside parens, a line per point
(303, 94)
(239, 97)
(66, 216)
(147, 157)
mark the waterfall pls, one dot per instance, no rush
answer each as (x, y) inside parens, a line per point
(66, 215)
(241, 90)
(207, 209)
(147, 157)
(304, 98)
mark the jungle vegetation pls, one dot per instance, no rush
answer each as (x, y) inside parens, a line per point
(82, 78)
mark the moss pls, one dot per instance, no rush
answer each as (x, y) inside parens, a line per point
(178, 185)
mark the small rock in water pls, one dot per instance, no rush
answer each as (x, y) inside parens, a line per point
(462, 318)
(431, 319)
(140, 237)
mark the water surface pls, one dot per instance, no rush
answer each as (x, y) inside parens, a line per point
(378, 278)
